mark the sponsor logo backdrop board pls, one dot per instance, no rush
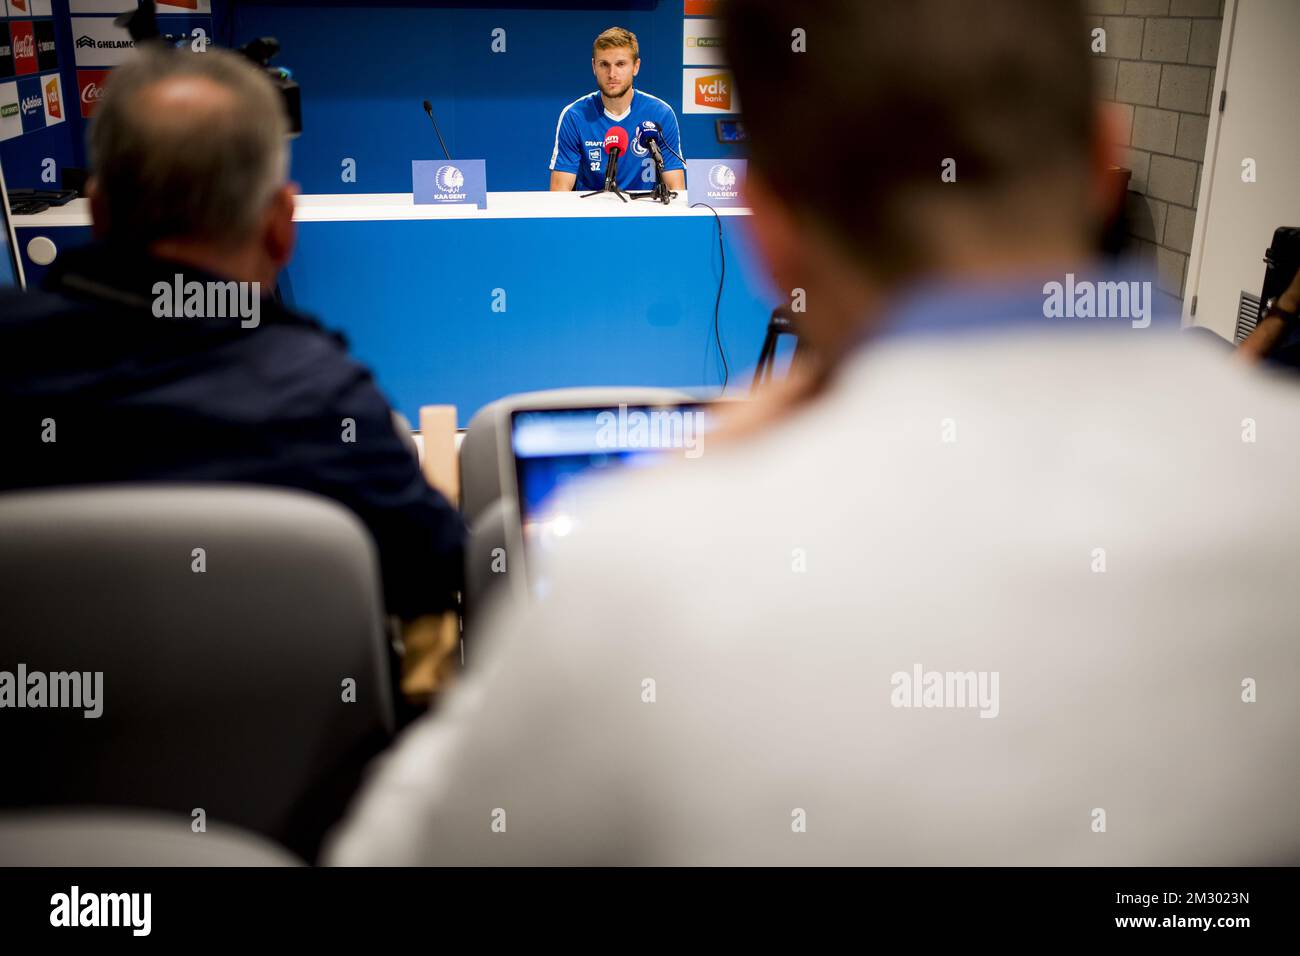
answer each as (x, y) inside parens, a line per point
(702, 43)
(11, 120)
(709, 91)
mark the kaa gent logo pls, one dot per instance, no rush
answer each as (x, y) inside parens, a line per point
(450, 182)
(722, 177)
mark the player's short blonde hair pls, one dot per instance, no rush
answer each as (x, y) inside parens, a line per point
(616, 37)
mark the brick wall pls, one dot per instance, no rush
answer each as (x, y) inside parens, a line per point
(1159, 68)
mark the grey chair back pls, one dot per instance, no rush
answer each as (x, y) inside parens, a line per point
(81, 838)
(238, 637)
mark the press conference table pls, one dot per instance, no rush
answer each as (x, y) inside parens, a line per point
(451, 304)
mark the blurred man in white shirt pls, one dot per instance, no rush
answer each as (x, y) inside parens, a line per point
(1007, 585)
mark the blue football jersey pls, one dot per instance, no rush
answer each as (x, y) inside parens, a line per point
(580, 141)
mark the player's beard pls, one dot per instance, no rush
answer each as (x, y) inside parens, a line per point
(614, 96)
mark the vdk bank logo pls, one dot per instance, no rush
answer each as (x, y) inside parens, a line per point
(449, 182)
(713, 91)
(53, 103)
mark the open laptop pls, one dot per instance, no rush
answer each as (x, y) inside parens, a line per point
(11, 264)
(560, 453)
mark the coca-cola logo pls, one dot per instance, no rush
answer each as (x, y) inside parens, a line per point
(25, 45)
(90, 84)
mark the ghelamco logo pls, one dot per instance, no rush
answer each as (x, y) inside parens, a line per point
(84, 42)
(722, 181)
(450, 182)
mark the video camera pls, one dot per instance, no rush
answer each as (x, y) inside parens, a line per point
(142, 25)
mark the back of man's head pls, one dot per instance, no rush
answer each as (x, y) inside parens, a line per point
(188, 146)
(853, 121)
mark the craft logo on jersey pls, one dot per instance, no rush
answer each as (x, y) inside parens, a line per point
(449, 182)
(714, 91)
(90, 87)
(637, 146)
(24, 48)
(722, 178)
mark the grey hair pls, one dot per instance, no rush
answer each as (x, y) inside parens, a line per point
(207, 173)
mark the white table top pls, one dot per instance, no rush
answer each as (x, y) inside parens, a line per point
(357, 207)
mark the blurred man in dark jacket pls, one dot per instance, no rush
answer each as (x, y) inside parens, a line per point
(159, 354)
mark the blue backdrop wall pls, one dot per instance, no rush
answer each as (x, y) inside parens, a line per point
(365, 69)
(414, 298)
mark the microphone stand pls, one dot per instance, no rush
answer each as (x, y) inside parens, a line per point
(661, 192)
(428, 108)
(611, 179)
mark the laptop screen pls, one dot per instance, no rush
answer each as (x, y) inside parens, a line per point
(558, 452)
(11, 267)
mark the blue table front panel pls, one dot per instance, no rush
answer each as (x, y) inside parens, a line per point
(599, 301)
(605, 301)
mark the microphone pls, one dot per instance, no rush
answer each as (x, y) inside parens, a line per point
(649, 139)
(428, 108)
(649, 134)
(615, 145)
